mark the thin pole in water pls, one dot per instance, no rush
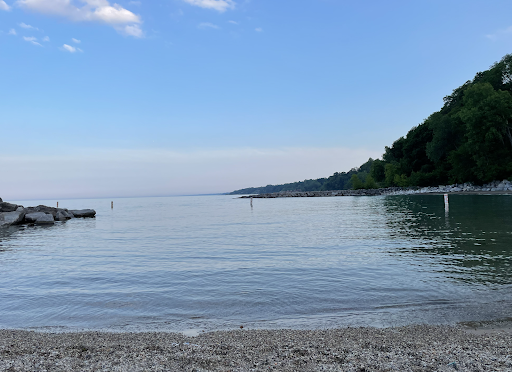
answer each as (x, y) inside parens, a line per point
(446, 205)
(57, 204)
(112, 205)
(251, 201)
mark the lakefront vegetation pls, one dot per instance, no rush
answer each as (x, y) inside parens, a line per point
(468, 140)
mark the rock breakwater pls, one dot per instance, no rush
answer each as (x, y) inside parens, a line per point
(14, 214)
(503, 187)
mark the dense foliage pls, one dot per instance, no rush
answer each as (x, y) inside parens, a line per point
(468, 140)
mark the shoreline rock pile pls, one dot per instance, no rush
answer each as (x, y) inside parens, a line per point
(13, 214)
(494, 186)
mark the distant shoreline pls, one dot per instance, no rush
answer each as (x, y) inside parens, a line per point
(416, 347)
(494, 188)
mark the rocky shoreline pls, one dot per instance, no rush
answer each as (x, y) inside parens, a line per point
(410, 348)
(14, 214)
(502, 187)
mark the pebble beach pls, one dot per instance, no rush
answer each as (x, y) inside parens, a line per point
(410, 348)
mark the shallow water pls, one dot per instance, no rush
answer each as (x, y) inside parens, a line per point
(213, 262)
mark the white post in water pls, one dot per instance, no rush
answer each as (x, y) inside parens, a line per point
(446, 205)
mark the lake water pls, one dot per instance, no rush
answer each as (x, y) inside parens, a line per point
(213, 262)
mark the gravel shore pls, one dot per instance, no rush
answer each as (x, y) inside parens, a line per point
(411, 348)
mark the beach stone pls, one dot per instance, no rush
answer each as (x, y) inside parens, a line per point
(39, 218)
(12, 218)
(83, 213)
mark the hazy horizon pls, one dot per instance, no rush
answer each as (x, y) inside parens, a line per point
(181, 97)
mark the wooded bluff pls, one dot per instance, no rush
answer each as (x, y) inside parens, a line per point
(468, 140)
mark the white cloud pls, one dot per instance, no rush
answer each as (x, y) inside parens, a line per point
(219, 5)
(93, 11)
(233, 22)
(29, 27)
(207, 25)
(118, 172)
(4, 6)
(12, 31)
(76, 41)
(259, 29)
(31, 40)
(71, 49)
(46, 38)
(131, 30)
(138, 3)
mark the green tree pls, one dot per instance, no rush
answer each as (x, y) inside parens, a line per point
(377, 171)
(356, 182)
(487, 114)
(370, 182)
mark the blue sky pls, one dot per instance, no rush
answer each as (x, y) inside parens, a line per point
(168, 97)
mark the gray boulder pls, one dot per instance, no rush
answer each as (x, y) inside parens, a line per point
(8, 207)
(83, 213)
(39, 218)
(12, 218)
(44, 209)
(63, 215)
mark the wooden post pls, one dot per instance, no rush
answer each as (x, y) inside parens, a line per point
(112, 205)
(251, 201)
(57, 204)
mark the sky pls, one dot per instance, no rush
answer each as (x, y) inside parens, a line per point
(173, 97)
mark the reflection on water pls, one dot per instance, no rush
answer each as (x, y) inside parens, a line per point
(472, 242)
(216, 262)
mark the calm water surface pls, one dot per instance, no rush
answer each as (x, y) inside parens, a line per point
(212, 262)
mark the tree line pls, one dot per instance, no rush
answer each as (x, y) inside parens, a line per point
(468, 140)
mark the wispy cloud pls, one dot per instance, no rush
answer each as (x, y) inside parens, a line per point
(76, 41)
(233, 22)
(28, 27)
(132, 30)
(123, 20)
(12, 31)
(219, 5)
(499, 34)
(4, 6)
(207, 25)
(46, 39)
(71, 49)
(32, 40)
(259, 29)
